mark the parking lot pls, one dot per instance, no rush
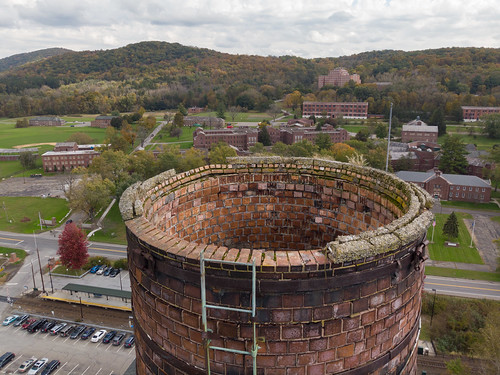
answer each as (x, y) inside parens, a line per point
(78, 357)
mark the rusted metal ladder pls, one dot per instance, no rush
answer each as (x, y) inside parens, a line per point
(206, 306)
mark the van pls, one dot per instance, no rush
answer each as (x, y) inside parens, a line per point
(66, 331)
(55, 329)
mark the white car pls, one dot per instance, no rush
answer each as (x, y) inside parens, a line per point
(10, 319)
(98, 335)
(25, 366)
(37, 367)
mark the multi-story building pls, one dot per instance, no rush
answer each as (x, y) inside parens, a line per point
(337, 77)
(67, 160)
(46, 121)
(451, 187)
(102, 121)
(290, 136)
(194, 110)
(7, 154)
(300, 122)
(417, 130)
(353, 110)
(471, 113)
(242, 139)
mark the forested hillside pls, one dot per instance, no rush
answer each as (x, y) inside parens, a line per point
(159, 75)
(24, 58)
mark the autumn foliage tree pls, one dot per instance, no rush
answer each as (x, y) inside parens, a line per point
(73, 247)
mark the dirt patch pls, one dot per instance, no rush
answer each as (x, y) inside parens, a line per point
(32, 304)
(35, 144)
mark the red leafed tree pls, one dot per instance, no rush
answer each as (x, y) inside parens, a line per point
(73, 247)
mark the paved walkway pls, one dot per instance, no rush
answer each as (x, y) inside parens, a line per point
(459, 266)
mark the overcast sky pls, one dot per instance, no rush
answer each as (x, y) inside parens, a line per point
(313, 28)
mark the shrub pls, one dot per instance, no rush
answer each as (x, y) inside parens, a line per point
(94, 261)
(121, 263)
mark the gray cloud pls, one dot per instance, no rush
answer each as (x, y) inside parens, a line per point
(309, 29)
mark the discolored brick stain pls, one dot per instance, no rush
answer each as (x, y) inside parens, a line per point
(339, 277)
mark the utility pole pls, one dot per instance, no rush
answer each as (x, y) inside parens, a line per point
(39, 264)
(33, 274)
(388, 140)
(50, 277)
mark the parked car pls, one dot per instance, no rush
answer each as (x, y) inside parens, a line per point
(26, 365)
(77, 332)
(51, 367)
(47, 326)
(108, 337)
(27, 323)
(37, 367)
(117, 340)
(36, 325)
(129, 342)
(101, 270)
(88, 332)
(94, 269)
(10, 319)
(114, 272)
(66, 331)
(107, 271)
(98, 335)
(57, 328)
(21, 320)
(6, 358)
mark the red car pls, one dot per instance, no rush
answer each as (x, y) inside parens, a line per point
(27, 323)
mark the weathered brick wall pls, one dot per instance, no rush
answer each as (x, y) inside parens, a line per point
(326, 304)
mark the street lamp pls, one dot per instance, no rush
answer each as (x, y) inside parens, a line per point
(119, 276)
(50, 277)
(433, 303)
(81, 308)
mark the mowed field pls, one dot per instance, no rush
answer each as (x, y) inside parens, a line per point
(11, 137)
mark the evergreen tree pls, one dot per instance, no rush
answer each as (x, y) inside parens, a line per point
(182, 109)
(437, 119)
(220, 112)
(73, 247)
(264, 136)
(323, 141)
(179, 120)
(453, 158)
(450, 227)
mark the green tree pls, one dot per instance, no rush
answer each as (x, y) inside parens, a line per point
(456, 367)
(381, 130)
(169, 158)
(453, 154)
(110, 165)
(437, 119)
(81, 138)
(191, 159)
(450, 227)
(27, 159)
(263, 136)
(182, 109)
(488, 345)
(22, 123)
(175, 132)
(257, 148)
(323, 141)
(116, 122)
(90, 194)
(220, 113)
(219, 153)
(491, 125)
(73, 247)
(142, 164)
(178, 120)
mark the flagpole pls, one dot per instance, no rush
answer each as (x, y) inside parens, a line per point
(472, 234)
(433, 227)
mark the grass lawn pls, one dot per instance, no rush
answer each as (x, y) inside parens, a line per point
(186, 136)
(462, 274)
(62, 270)
(496, 219)
(113, 230)
(482, 142)
(471, 205)
(13, 168)
(352, 128)
(495, 194)
(10, 136)
(18, 208)
(21, 254)
(461, 254)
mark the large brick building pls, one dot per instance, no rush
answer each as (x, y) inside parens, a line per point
(337, 77)
(417, 130)
(353, 110)
(244, 138)
(450, 187)
(46, 121)
(102, 121)
(471, 113)
(68, 155)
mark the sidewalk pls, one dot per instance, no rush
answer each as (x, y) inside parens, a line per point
(459, 266)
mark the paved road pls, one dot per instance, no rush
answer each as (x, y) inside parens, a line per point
(462, 287)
